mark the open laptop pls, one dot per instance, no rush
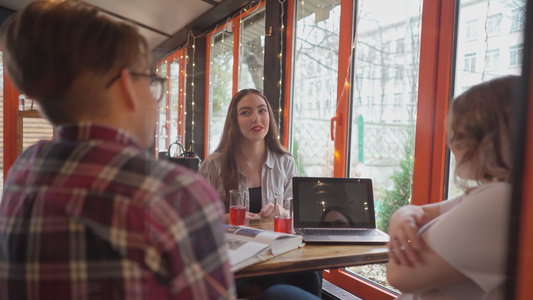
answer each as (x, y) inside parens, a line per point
(333, 210)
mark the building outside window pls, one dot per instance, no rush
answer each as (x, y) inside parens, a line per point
(470, 62)
(494, 24)
(515, 55)
(471, 28)
(492, 59)
(518, 19)
(491, 46)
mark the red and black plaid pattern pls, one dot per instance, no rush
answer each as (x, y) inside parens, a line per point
(91, 216)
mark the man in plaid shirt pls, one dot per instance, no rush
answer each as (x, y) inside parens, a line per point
(91, 214)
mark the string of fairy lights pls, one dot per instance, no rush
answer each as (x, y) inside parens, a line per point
(282, 28)
(251, 9)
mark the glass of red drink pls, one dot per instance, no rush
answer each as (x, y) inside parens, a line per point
(237, 207)
(283, 217)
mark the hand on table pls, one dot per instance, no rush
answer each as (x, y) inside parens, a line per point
(252, 216)
(405, 243)
(267, 211)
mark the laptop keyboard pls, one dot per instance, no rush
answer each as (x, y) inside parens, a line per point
(359, 232)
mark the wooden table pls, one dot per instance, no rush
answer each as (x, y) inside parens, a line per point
(314, 257)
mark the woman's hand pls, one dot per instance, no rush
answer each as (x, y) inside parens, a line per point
(267, 211)
(405, 243)
(252, 216)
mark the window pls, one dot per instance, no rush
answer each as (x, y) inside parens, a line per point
(471, 30)
(34, 126)
(400, 46)
(397, 100)
(174, 102)
(382, 135)
(220, 84)
(315, 63)
(515, 55)
(162, 127)
(493, 65)
(470, 62)
(398, 73)
(170, 125)
(518, 19)
(492, 59)
(252, 51)
(494, 24)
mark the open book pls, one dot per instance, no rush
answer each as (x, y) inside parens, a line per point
(247, 246)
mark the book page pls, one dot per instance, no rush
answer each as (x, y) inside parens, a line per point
(243, 253)
(248, 245)
(256, 235)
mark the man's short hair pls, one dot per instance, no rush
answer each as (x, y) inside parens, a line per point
(47, 45)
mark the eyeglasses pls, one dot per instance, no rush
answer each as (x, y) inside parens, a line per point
(157, 84)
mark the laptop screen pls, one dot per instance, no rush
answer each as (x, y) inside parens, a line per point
(333, 202)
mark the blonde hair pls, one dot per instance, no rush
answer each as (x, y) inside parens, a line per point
(49, 46)
(479, 125)
(232, 136)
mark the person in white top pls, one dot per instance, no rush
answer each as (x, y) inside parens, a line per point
(457, 249)
(250, 156)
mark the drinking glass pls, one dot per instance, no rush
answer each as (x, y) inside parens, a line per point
(283, 216)
(237, 207)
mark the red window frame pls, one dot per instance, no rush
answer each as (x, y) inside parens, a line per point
(524, 275)
(10, 123)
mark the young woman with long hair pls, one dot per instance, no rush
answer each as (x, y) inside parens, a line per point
(250, 156)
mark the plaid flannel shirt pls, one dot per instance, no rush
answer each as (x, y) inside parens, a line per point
(90, 215)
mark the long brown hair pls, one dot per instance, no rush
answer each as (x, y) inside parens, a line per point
(232, 137)
(479, 124)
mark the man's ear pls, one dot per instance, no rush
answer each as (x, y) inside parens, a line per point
(125, 82)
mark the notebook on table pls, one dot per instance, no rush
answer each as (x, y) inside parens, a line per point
(334, 210)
